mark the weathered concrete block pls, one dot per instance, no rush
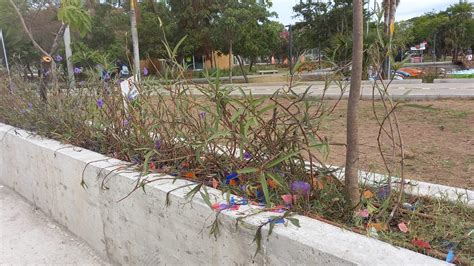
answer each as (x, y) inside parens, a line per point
(141, 230)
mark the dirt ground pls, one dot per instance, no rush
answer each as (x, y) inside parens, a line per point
(439, 140)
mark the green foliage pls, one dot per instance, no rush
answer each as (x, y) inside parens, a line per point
(194, 19)
(157, 23)
(209, 132)
(17, 43)
(73, 13)
(109, 32)
(246, 25)
(321, 22)
(203, 132)
(444, 31)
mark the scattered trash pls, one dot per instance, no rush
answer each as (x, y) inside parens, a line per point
(260, 196)
(215, 183)
(372, 232)
(232, 178)
(287, 199)
(152, 166)
(408, 206)
(317, 183)
(223, 206)
(363, 213)
(421, 244)
(451, 256)
(272, 183)
(371, 208)
(278, 209)
(403, 227)
(276, 221)
(377, 226)
(368, 194)
(242, 201)
(191, 175)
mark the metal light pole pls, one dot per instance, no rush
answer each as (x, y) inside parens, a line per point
(6, 59)
(290, 48)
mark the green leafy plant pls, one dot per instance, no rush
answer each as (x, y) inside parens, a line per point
(268, 150)
(73, 13)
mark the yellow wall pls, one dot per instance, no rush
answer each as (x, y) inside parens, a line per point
(218, 61)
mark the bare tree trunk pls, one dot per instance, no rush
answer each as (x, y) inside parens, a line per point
(136, 54)
(59, 35)
(241, 65)
(231, 62)
(215, 60)
(252, 60)
(352, 150)
(54, 48)
(67, 47)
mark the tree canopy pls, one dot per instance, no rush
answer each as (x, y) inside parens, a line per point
(447, 31)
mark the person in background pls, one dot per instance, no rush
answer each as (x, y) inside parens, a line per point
(124, 72)
(122, 69)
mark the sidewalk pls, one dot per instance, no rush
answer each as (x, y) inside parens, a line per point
(28, 236)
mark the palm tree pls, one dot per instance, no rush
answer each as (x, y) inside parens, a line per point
(390, 8)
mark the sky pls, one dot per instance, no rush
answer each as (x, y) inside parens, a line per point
(406, 10)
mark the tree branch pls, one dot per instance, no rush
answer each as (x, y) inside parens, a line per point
(60, 33)
(28, 32)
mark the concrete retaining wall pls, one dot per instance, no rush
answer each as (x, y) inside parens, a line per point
(142, 230)
(454, 80)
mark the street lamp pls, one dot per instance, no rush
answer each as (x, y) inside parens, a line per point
(290, 44)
